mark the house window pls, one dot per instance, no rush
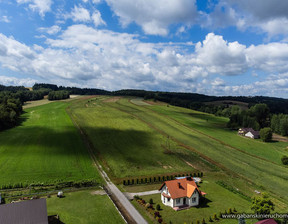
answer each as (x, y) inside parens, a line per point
(168, 199)
(193, 200)
(178, 200)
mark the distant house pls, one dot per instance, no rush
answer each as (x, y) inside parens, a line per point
(249, 132)
(25, 212)
(180, 193)
(267, 221)
(253, 134)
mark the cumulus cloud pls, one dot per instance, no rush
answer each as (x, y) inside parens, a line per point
(41, 6)
(220, 57)
(155, 16)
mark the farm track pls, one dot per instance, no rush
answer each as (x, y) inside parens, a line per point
(127, 210)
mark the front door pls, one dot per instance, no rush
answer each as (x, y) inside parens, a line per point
(184, 201)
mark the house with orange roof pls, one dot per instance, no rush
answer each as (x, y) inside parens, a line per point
(180, 193)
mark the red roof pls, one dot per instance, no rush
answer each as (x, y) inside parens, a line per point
(267, 221)
(180, 188)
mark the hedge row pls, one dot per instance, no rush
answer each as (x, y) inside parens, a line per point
(58, 185)
(157, 179)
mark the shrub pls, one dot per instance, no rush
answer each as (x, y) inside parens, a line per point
(151, 201)
(156, 214)
(158, 207)
(229, 210)
(284, 160)
(136, 197)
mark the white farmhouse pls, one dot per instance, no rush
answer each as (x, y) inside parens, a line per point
(180, 193)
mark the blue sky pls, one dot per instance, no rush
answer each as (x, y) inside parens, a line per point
(224, 47)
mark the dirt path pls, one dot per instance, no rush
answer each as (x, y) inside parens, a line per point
(279, 138)
(130, 195)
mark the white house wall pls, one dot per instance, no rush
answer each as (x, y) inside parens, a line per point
(194, 195)
(249, 135)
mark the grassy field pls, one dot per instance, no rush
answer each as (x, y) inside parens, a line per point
(130, 140)
(45, 148)
(128, 146)
(83, 207)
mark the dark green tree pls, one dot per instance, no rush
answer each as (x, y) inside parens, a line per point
(266, 134)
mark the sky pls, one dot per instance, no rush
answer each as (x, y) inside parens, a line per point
(223, 47)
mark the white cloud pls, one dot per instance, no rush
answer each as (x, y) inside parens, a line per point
(272, 57)
(4, 19)
(88, 57)
(12, 81)
(155, 16)
(220, 57)
(96, 17)
(80, 14)
(270, 16)
(50, 30)
(41, 6)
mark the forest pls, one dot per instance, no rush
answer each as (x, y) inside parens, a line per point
(262, 111)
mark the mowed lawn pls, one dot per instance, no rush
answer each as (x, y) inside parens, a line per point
(218, 199)
(84, 207)
(45, 148)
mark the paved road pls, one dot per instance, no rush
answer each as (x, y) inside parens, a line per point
(131, 195)
(121, 197)
(127, 204)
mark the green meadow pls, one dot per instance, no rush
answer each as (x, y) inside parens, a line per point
(45, 148)
(133, 140)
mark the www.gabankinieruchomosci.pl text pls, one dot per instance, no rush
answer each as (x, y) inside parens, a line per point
(255, 216)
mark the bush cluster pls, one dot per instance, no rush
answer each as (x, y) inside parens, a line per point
(150, 208)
